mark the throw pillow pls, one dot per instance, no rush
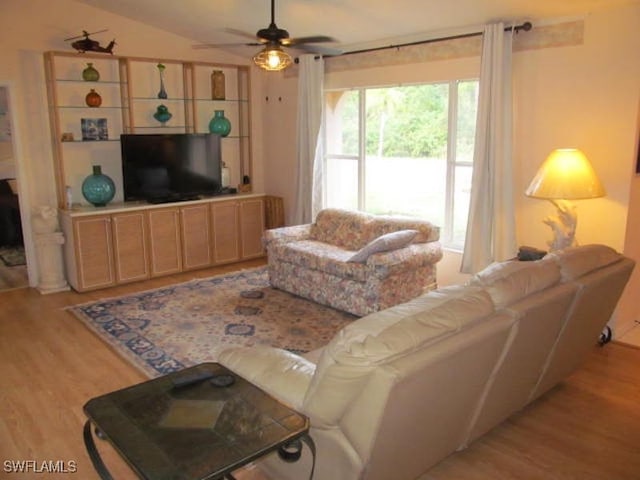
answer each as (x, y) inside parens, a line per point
(384, 243)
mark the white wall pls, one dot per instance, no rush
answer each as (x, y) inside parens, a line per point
(28, 28)
(584, 96)
(628, 313)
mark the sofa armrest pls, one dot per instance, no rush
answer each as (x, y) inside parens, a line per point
(293, 233)
(410, 257)
(283, 374)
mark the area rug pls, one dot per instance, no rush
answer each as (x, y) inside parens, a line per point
(12, 256)
(170, 328)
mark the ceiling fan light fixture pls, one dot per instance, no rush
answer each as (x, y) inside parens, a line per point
(272, 58)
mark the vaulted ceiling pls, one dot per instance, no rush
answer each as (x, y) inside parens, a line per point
(354, 23)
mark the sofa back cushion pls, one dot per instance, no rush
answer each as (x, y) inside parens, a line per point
(342, 228)
(508, 282)
(424, 398)
(353, 230)
(382, 224)
(380, 338)
(577, 261)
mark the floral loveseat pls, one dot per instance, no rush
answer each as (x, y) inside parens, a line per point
(353, 261)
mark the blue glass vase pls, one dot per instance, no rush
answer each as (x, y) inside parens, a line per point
(220, 124)
(98, 188)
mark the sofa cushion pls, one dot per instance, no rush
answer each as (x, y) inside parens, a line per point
(382, 224)
(508, 282)
(384, 243)
(441, 312)
(577, 261)
(379, 338)
(294, 233)
(342, 228)
(314, 255)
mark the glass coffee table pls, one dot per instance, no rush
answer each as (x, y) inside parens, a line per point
(203, 422)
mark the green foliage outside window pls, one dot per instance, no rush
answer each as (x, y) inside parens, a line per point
(415, 161)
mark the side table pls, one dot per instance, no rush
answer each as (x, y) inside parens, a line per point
(201, 423)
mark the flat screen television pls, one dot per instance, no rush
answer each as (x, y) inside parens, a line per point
(170, 167)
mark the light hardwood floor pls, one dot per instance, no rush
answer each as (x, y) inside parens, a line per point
(13, 277)
(587, 428)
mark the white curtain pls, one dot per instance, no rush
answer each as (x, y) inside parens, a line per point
(491, 224)
(308, 147)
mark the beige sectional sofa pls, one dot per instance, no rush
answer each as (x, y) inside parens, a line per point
(354, 261)
(397, 391)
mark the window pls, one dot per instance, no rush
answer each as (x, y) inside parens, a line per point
(403, 150)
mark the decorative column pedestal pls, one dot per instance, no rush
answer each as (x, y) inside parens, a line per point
(49, 243)
(50, 265)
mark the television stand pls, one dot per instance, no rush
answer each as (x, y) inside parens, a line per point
(172, 198)
(121, 243)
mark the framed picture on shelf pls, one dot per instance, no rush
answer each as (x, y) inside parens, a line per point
(94, 129)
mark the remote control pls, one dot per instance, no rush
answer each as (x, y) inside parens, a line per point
(189, 378)
(223, 380)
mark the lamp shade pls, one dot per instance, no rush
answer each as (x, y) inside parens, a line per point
(272, 58)
(566, 174)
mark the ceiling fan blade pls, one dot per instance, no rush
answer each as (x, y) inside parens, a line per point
(312, 39)
(241, 33)
(221, 45)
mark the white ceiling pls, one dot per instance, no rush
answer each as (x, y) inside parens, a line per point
(354, 23)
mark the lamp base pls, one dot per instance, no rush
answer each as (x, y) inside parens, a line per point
(563, 225)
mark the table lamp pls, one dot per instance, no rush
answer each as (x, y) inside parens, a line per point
(565, 175)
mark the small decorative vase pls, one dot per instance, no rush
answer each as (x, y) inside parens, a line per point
(90, 74)
(162, 114)
(93, 98)
(162, 93)
(98, 188)
(220, 124)
(217, 85)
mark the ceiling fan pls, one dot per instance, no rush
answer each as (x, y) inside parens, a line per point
(272, 57)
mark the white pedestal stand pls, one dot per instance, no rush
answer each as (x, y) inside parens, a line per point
(50, 264)
(49, 243)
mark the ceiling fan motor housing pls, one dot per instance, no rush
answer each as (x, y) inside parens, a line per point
(272, 34)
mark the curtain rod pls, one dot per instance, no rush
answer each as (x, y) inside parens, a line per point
(526, 26)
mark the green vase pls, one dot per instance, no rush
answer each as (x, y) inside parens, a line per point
(98, 188)
(90, 74)
(220, 124)
(162, 114)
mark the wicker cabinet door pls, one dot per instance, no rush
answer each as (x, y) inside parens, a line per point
(94, 252)
(224, 224)
(252, 227)
(196, 236)
(130, 246)
(164, 240)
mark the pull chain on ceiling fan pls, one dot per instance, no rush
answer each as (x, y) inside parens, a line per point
(273, 57)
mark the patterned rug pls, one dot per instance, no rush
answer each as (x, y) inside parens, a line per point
(170, 328)
(12, 256)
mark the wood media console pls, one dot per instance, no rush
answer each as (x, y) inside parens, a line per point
(129, 242)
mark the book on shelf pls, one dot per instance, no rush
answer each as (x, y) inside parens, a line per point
(94, 129)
